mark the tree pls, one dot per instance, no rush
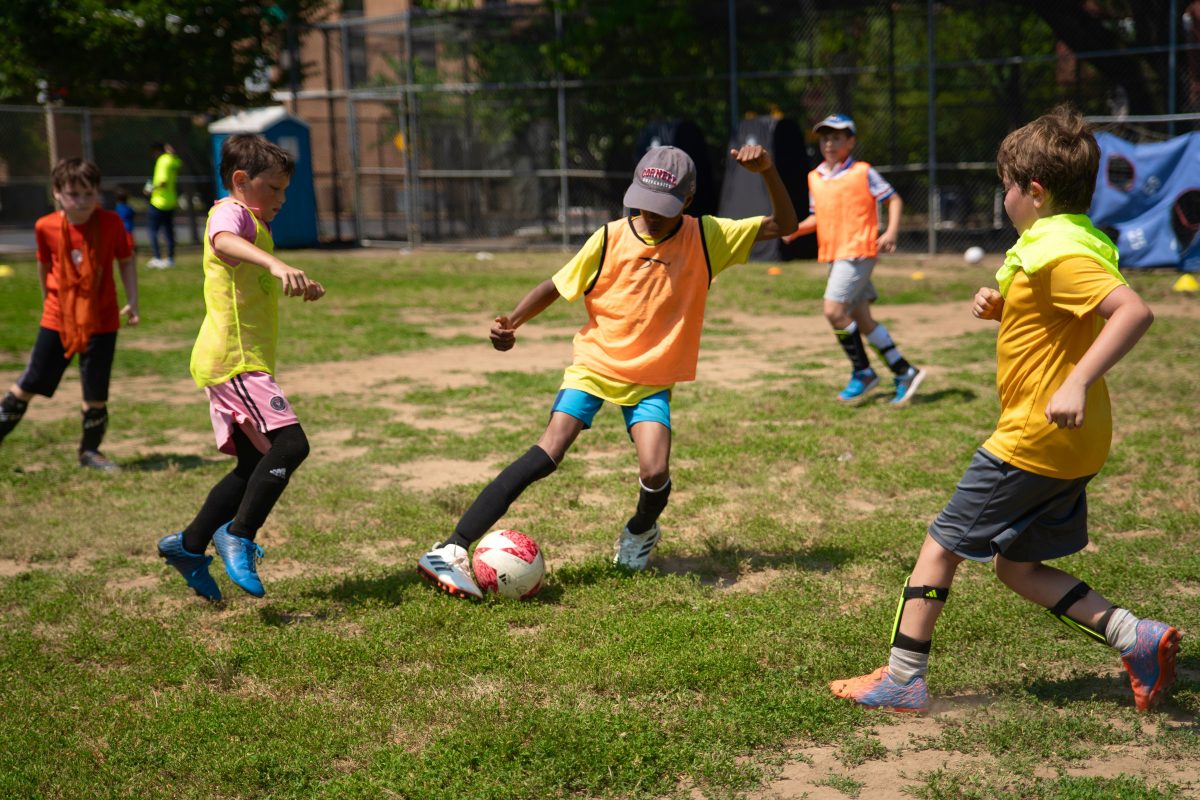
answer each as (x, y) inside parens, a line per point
(208, 55)
(1122, 27)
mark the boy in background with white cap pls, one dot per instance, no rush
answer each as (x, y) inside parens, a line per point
(843, 195)
(644, 279)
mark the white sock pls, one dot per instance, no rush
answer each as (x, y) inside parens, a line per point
(881, 340)
(904, 665)
(1121, 631)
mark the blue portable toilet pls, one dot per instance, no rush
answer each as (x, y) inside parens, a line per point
(296, 225)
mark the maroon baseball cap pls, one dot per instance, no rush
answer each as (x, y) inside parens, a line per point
(662, 182)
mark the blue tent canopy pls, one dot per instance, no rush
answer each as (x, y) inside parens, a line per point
(1147, 199)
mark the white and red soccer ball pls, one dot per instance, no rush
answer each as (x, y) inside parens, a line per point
(508, 563)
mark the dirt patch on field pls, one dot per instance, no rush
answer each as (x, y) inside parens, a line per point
(432, 473)
(758, 347)
(764, 344)
(821, 773)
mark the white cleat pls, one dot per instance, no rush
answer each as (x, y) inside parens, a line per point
(634, 549)
(449, 568)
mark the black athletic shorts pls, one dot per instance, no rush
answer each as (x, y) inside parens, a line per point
(999, 509)
(49, 361)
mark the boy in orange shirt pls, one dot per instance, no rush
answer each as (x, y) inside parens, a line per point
(844, 193)
(1066, 317)
(644, 280)
(76, 248)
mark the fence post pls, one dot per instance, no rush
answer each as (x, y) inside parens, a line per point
(331, 113)
(413, 187)
(932, 116)
(733, 70)
(563, 184)
(352, 132)
(51, 135)
(1172, 65)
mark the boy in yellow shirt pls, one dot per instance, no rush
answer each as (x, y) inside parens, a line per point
(1066, 317)
(644, 280)
(233, 361)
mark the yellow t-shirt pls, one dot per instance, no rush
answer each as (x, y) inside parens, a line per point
(727, 243)
(1047, 325)
(166, 169)
(241, 311)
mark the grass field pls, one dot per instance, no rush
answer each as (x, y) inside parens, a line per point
(792, 526)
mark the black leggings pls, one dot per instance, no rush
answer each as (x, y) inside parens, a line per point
(248, 493)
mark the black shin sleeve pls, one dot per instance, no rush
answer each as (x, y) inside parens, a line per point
(289, 448)
(12, 408)
(852, 343)
(95, 423)
(223, 499)
(498, 495)
(650, 506)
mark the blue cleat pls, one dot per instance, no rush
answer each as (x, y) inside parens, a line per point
(879, 690)
(906, 386)
(239, 555)
(193, 568)
(1151, 662)
(861, 382)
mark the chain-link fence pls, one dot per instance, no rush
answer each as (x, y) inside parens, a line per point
(519, 125)
(33, 139)
(476, 126)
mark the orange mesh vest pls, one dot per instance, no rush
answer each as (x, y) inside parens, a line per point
(646, 306)
(847, 219)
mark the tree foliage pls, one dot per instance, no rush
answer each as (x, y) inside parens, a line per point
(207, 55)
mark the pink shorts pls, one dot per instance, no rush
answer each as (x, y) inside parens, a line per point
(252, 401)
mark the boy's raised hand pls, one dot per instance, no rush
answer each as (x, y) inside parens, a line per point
(988, 304)
(503, 334)
(752, 157)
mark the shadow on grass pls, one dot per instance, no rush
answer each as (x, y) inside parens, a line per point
(165, 461)
(278, 618)
(1117, 689)
(357, 591)
(725, 564)
(926, 397)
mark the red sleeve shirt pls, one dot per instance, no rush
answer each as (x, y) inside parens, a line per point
(112, 246)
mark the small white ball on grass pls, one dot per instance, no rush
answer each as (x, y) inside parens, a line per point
(973, 255)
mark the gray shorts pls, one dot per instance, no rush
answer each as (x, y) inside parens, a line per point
(850, 281)
(999, 509)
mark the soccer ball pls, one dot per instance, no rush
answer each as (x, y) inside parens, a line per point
(973, 255)
(508, 563)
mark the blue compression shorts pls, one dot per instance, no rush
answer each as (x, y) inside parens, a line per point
(583, 407)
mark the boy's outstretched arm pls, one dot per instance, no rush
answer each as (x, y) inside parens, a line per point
(230, 246)
(1128, 318)
(807, 226)
(783, 215)
(504, 329)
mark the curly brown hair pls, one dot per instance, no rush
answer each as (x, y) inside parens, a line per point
(1058, 151)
